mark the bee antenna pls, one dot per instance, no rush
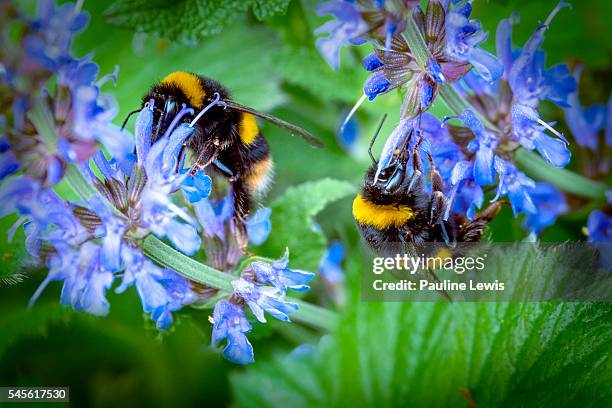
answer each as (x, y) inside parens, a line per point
(380, 125)
(129, 115)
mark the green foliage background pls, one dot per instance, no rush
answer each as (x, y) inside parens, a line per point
(381, 354)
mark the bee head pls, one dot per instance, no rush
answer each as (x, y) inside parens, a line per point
(166, 107)
(396, 180)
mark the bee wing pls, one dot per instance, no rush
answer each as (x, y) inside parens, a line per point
(306, 135)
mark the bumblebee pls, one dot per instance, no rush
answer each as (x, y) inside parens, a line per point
(227, 138)
(395, 212)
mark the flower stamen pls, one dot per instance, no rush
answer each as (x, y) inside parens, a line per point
(203, 111)
(352, 112)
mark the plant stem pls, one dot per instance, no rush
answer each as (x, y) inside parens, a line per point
(43, 121)
(79, 183)
(190, 268)
(416, 42)
(204, 274)
(193, 270)
(457, 103)
(536, 167)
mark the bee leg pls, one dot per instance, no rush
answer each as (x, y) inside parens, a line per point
(436, 180)
(416, 164)
(207, 153)
(491, 211)
(473, 230)
(242, 202)
(416, 158)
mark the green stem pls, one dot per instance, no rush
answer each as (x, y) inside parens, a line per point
(457, 103)
(529, 162)
(79, 183)
(416, 42)
(196, 271)
(536, 167)
(171, 258)
(43, 121)
(84, 189)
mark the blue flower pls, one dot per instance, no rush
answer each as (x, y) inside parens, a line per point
(196, 186)
(280, 276)
(158, 209)
(444, 151)
(528, 128)
(346, 29)
(516, 185)
(394, 141)
(112, 231)
(158, 215)
(213, 217)
(608, 133)
(372, 62)
(528, 78)
(376, 84)
(50, 42)
(466, 195)
(585, 122)
(85, 279)
(93, 120)
(427, 91)
(77, 73)
(258, 226)
(550, 202)
(463, 36)
(484, 145)
(330, 267)
(356, 22)
(262, 299)
(48, 217)
(599, 226)
(435, 71)
(161, 291)
(347, 135)
(230, 323)
(8, 161)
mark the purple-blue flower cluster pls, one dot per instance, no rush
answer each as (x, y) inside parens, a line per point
(134, 190)
(97, 240)
(504, 91)
(44, 131)
(141, 180)
(452, 38)
(261, 287)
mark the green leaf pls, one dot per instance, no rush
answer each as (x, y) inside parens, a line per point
(319, 79)
(18, 322)
(292, 221)
(242, 59)
(14, 259)
(187, 21)
(266, 8)
(442, 354)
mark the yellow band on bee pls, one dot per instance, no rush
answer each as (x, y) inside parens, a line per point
(248, 128)
(190, 85)
(380, 216)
